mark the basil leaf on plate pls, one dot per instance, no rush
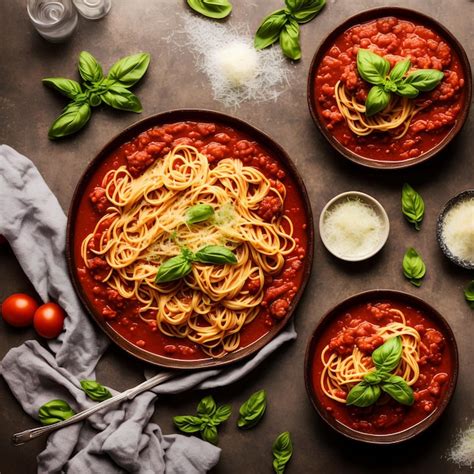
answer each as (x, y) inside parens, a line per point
(67, 87)
(199, 213)
(377, 100)
(89, 68)
(73, 118)
(290, 40)
(387, 356)
(425, 79)
(130, 69)
(413, 206)
(282, 450)
(469, 294)
(207, 406)
(304, 10)
(215, 254)
(270, 29)
(209, 434)
(54, 411)
(399, 70)
(188, 423)
(173, 269)
(121, 98)
(363, 394)
(252, 410)
(221, 414)
(414, 268)
(399, 390)
(217, 9)
(95, 390)
(372, 67)
(406, 90)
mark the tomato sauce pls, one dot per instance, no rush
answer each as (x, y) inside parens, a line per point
(395, 39)
(216, 142)
(387, 416)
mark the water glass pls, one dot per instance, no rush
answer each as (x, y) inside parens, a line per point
(93, 9)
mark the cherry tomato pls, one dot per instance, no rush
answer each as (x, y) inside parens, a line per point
(49, 320)
(18, 310)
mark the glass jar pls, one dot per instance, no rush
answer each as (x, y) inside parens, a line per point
(93, 9)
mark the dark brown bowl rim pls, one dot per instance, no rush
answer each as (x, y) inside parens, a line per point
(372, 14)
(439, 229)
(133, 130)
(370, 295)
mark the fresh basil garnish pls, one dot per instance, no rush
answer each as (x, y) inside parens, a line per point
(387, 356)
(290, 40)
(54, 411)
(407, 90)
(130, 69)
(282, 450)
(424, 79)
(413, 206)
(252, 410)
(121, 98)
(215, 254)
(377, 100)
(374, 378)
(188, 423)
(221, 414)
(414, 268)
(399, 70)
(469, 294)
(217, 9)
(363, 394)
(67, 87)
(95, 390)
(399, 390)
(209, 434)
(372, 67)
(207, 406)
(73, 118)
(199, 213)
(304, 10)
(270, 29)
(89, 69)
(173, 269)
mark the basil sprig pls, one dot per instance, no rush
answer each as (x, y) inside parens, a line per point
(284, 24)
(386, 359)
(54, 411)
(217, 9)
(469, 294)
(375, 70)
(215, 254)
(414, 268)
(413, 206)
(199, 213)
(95, 391)
(209, 417)
(282, 450)
(95, 89)
(252, 410)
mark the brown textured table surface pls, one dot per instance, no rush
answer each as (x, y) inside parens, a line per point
(27, 109)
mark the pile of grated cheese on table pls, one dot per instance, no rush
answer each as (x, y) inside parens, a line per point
(462, 453)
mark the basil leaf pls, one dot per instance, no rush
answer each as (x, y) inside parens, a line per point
(389, 86)
(73, 118)
(199, 213)
(207, 406)
(469, 294)
(282, 450)
(173, 269)
(399, 390)
(222, 414)
(121, 98)
(89, 69)
(425, 79)
(304, 10)
(252, 410)
(413, 206)
(211, 8)
(387, 356)
(209, 434)
(54, 411)
(363, 394)
(399, 70)
(406, 90)
(290, 40)
(270, 29)
(95, 390)
(377, 100)
(372, 67)
(188, 423)
(67, 87)
(413, 267)
(215, 254)
(373, 378)
(130, 69)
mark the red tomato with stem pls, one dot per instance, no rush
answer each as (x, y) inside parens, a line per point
(49, 320)
(18, 310)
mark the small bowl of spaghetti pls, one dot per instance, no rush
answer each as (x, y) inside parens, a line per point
(455, 229)
(389, 88)
(381, 366)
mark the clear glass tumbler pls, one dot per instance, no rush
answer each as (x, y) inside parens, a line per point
(93, 9)
(55, 20)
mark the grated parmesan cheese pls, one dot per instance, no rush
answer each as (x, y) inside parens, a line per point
(462, 453)
(458, 230)
(352, 229)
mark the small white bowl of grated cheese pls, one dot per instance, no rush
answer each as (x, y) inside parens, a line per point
(353, 226)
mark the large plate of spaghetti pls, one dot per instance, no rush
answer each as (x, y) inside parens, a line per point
(190, 239)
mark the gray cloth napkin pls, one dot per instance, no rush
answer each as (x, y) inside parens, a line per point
(117, 440)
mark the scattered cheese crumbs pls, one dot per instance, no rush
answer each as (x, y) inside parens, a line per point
(462, 453)
(352, 229)
(458, 230)
(236, 70)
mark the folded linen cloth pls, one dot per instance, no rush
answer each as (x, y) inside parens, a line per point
(121, 439)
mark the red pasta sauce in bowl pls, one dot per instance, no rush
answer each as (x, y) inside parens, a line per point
(395, 34)
(351, 324)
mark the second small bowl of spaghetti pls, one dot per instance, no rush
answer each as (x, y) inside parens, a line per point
(389, 88)
(381, 366)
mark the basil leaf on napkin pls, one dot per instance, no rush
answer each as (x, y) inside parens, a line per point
(282, 450)
(95, 390)
(54, 411)
(251, 411)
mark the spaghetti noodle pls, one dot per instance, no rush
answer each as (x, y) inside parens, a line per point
(145, 225)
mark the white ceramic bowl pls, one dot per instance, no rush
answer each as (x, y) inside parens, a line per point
(374, 204)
